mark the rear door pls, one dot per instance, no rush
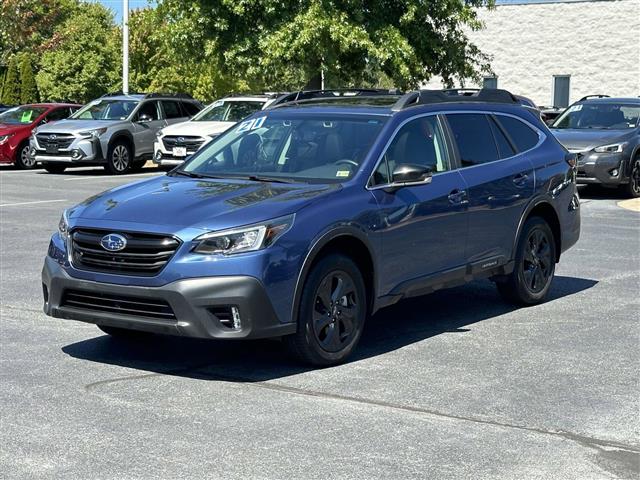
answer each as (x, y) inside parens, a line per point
(172, 112)
(145, 132)
(500, 181)
(423, 227)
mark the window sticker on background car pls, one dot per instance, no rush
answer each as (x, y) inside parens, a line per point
(575, 108)
(252, 124)
(343, 173)
(26, 116)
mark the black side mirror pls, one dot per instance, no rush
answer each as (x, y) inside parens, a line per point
(407, 174)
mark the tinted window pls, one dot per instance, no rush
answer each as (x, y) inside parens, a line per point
(58, 114)
(103, 109)
(149, 109)
(171, 109)
(504, 147)
(22, 115)
(522, 135)
(472, 133)
(601, 115)
(190, 108)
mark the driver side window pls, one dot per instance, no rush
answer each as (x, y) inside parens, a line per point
(419, 142)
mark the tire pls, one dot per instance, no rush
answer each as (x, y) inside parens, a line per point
(123, 333)
(326, 334)
(632, 189)
(138, 166)
(535, 264)
(119, 158)
(54, 167)
(23, 161)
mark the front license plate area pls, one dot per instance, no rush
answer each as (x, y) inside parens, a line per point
(179, 151)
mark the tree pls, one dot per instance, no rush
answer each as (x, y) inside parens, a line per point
(11, 90)
(28, 88)
(85, 61)
(283, 45)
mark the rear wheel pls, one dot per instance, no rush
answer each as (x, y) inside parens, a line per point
(119, 159)
(332, 313)
(54, 167)
(633, 187)
(123, 332)
(23, 160)
(535, 264)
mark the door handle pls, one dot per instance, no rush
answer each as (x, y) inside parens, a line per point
(520, 179)
(458, 197)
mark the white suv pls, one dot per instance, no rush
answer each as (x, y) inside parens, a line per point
(176, 142)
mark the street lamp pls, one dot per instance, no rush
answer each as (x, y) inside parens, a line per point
(125, 46)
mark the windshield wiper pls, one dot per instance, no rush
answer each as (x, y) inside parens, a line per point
(184, 173)
(256, 178)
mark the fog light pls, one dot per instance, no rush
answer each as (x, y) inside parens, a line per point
(75, 153)
(614, 172)
(158, 155)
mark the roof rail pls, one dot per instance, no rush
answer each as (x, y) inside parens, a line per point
(306, 95)
(586, 97)
(120, 94)
(425, 97)
(169, 95)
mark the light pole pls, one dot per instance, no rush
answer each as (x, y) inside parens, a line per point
(125, 46)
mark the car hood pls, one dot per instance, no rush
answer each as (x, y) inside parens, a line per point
(588, 139)
(197, 128)
(6, 128)
(206, 204)
(75, 126)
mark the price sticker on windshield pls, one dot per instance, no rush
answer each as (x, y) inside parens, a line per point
(252, 124)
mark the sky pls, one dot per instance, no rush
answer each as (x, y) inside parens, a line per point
(116, 6)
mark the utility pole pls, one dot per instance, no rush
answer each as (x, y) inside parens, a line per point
(125, 46)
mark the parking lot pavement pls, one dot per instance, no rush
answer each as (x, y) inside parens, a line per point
(452, 385)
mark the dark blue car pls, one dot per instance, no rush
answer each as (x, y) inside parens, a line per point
(303, 220)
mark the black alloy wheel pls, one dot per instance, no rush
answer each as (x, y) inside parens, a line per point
(537, 264)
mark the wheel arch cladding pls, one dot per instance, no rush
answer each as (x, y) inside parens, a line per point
(546, 211)
(345, 244)
(123, 136)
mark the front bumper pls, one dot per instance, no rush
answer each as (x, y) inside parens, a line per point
(602, 168)
(81, 151)
(192, 302)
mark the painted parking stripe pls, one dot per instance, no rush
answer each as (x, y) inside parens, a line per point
(31, 203)
(112, 178)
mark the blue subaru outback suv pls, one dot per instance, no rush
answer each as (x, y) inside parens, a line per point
(303, 220)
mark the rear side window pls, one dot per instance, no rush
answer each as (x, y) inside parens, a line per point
(473, 135)
(58, 114)
(190, 108)
(171, 109)
(504, 146)
(522, 135)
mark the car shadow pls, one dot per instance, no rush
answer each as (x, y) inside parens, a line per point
(394, 327)
(97, 171)
(598, 192)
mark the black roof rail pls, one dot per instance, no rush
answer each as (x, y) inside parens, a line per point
(425, 97)
(121, 94)
(169, 95)
(598, 95)
(306, 95)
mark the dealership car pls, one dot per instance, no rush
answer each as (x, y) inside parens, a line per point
(604, 133)
(17, 123)
(306, 218)
(116, 131)
(175, 142)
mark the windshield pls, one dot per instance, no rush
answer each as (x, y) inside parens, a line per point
(21, 115)
(106, 110)
(222, 111)
(609, 116)
(285, 147)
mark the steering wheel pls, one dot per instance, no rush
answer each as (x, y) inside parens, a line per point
(348, 162)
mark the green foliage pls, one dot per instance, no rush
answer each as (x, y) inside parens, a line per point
(11, 90)
(28, 88)
(282, 45)
(84, 63)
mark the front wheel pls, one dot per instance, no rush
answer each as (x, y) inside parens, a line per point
(332, 313)
(23, 160)
(119, 159)
(535, 264)
(633, 187)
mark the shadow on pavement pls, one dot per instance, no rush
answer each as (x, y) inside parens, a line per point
(597, 192)
(397, 326)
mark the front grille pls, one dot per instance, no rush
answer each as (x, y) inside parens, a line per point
(121, 304)
(55, 141)
(191, 143)
(145, 254)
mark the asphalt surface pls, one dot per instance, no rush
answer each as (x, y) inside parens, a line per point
(452, 385)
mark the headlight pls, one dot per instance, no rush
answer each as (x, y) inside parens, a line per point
(95, 133)
(613, 148)
(245, 239)
(4, 138)
(63, 226)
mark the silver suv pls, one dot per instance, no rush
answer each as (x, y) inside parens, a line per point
(115, 130)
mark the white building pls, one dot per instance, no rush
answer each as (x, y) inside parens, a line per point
(556, 52)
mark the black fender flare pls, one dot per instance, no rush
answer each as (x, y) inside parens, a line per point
(535, 202)
(343, 230)
(119, 136)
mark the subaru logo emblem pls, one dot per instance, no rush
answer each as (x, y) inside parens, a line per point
(52, 137)
(180, 140)
(113, 242)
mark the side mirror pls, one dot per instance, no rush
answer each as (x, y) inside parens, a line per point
(407, 174)
(144, 118)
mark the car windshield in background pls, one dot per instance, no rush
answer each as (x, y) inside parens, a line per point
(106, 110)
(610, 116)
(222, 111)
(21, 115)
(289, 148)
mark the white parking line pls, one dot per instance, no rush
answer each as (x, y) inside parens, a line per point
(32, 203)
(112, 177)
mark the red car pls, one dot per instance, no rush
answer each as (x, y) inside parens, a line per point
(16, 125)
